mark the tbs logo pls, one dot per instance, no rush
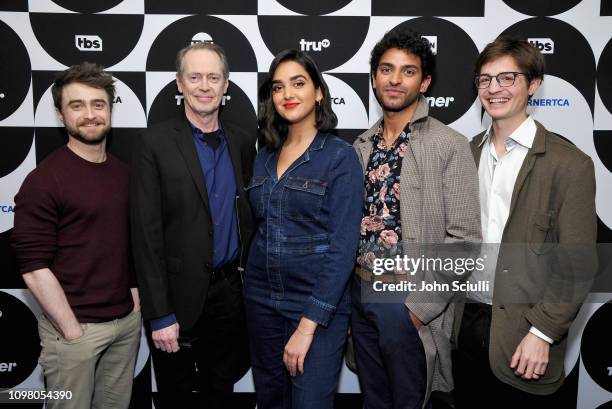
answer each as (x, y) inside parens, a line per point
(202, 38)
(433, 41)
(545, 45)
(88, 43)
(306, 45)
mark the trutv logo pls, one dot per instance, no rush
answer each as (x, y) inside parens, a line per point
(545, 45)
(306, 45)
(88, 43)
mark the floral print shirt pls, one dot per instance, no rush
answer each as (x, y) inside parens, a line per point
(381, 226)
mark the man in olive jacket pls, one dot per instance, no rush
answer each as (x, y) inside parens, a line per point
(537, 196)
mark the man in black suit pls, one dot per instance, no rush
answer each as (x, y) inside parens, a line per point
(191, 226)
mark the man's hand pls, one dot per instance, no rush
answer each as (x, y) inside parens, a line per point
(415, 321)
(73, 333)
(531, 357)
(166, 339)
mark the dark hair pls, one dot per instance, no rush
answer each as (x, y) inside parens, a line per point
(87, 73)
(527, 57)
(403, 38)
(203, 45)
(271, 125)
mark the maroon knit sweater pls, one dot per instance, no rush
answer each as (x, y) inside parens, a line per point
(71, 216)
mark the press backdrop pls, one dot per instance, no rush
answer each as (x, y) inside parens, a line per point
(137, 41)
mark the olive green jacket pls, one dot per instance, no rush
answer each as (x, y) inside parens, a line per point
(547, 258)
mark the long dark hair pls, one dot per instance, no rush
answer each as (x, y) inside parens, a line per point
(271, 125)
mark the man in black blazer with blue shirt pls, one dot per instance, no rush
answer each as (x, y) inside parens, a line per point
(191, 226)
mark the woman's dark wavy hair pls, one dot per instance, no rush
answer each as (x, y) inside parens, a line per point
(271, 125)
(405, 39)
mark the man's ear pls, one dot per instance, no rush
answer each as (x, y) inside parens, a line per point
(59, 114)
(534, 85)
(425, 84)
(178, 83)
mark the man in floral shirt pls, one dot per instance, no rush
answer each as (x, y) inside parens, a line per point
(421, 188)
(381, 227)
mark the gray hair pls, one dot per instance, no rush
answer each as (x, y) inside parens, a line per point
(204, 45)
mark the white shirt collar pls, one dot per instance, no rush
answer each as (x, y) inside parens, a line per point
(523, 135)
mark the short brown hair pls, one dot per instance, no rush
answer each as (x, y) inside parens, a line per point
(527, 57)
(204, 45)
(87, 73)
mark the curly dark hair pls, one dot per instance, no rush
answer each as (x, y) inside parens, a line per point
(271, 125)
(408, 40)
(87, 73)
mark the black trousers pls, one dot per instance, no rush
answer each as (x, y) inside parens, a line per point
(476, 386)
(213, 354)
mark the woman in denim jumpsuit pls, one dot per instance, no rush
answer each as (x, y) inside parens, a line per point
(307, 195)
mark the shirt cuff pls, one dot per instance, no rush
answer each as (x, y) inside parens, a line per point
(162, 322)
(319, 311)
(540, 334)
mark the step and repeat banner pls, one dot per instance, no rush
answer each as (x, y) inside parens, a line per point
(137, 41)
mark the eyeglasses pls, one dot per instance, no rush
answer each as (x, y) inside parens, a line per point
(504, 79)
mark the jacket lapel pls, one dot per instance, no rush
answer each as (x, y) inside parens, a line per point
(184, 140)
(476, 147)
(416, 123)
(364, 146)
(416, 147)
(234, 151)
(539, 146)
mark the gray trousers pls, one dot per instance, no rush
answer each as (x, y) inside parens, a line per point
(98, 368)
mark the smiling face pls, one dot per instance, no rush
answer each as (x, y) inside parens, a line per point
(398, 80)
(85, 112)
(294, 94)
(506, 104)
(202, 82)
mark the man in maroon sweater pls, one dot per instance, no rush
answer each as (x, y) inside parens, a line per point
(71, 237)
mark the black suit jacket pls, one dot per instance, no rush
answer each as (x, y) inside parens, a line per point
(172, 232)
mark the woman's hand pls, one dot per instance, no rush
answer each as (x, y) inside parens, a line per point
(298, 345)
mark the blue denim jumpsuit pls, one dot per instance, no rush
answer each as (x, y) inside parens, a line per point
(300, 261)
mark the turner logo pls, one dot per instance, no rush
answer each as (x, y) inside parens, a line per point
(19, 356)
(440, 101)
(314, 45)
(548, 102)
(179, 99)
(88, 43)
(545, 45)
(433, 40)
(7, 366)
(201, 38)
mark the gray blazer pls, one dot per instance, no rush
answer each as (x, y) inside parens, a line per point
(438, 204)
